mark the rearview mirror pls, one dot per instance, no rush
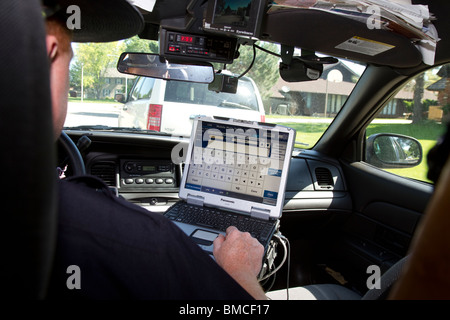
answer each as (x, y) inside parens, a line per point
(390, 151)
(155, 66)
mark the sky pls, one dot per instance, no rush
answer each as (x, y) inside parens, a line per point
(234, 4)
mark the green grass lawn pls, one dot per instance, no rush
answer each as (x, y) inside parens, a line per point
(78, 99)
(427, 134)
(307, 133)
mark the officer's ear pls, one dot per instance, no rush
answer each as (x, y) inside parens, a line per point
(52, 47)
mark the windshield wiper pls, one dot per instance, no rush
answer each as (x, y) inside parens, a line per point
(234, 105)
(115, 129)
(87, 127)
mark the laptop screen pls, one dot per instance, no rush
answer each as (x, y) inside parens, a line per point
(240, 162)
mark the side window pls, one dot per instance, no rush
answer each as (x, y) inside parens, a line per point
(142, 89)
(134, 95)
(145, 90)
(419, 110)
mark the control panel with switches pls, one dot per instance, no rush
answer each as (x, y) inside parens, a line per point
(147, 174)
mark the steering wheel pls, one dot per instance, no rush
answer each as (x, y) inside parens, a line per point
(73, 155)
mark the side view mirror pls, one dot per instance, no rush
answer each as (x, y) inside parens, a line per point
(391, 151)
(155, 66)
(119, 97)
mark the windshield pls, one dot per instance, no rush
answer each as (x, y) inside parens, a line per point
(156, 106)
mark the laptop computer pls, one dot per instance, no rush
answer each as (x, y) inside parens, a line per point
(235, 174)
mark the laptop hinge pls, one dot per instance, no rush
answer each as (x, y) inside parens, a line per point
(195, 200)
(259, 213)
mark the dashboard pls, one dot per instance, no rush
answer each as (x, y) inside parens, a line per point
(140, 168)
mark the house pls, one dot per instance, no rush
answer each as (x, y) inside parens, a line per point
(442, 86)
(331, 89)
(115, 82)
(308, 97)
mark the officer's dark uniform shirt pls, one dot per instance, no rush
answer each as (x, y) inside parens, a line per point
(123, 251)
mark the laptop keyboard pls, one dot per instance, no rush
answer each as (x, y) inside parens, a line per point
(219, 220)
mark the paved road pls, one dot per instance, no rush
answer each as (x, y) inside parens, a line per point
(89, 113)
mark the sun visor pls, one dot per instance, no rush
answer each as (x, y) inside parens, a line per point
(340, 37)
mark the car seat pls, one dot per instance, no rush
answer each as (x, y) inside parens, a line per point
(338, 292)
(27, 161)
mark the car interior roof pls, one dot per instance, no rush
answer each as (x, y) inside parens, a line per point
(316, 30)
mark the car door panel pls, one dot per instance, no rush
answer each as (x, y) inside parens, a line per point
(369, 185)
(386, 211)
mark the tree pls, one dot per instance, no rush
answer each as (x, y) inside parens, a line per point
(266, 74)
(417, 99)
(136, 44)
(418, 106)
(93, 59)
(75, 75)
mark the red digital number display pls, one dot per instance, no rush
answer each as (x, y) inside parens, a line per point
(186, 39)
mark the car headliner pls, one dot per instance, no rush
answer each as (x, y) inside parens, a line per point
(316, 30)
